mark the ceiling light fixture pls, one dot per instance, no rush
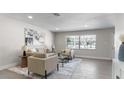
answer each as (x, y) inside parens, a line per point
(30, 17)
(85, 25)
(57, 28)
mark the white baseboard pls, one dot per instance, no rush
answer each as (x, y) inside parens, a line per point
(8, 65)
(103, 58)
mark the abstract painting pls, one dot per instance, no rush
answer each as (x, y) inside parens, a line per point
(33, 37)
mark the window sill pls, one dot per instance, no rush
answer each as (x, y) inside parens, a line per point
(84, 49)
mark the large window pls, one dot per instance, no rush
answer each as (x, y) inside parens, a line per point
(81, 42)
(72, 42)
(88, 42)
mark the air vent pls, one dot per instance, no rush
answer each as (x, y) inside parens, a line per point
(56, 14)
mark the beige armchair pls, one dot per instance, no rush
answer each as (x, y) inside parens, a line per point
(42, 66)
(69, 53)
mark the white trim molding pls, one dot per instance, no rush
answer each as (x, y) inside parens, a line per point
(7, 66)
(91, 57)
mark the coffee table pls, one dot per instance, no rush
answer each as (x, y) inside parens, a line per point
(63, 59)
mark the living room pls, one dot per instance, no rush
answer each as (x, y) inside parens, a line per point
(61, 46)
(79, 45)
(20, 27)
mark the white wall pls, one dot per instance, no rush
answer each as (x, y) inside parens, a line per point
(12, 39)
(104, 43)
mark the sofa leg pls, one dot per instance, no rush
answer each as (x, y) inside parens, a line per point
(45, 74)
(57, 67)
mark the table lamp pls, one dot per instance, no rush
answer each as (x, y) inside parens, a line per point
(24, 48)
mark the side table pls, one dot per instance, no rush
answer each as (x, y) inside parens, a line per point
(24, 61)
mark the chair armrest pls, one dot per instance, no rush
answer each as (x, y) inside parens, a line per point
(39, 65)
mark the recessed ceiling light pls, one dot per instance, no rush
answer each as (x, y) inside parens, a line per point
(30, 17)
(85, 25)
(57, 28)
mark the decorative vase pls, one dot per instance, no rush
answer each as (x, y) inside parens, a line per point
(121, 52)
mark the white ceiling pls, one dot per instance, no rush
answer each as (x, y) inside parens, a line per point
(66, 21)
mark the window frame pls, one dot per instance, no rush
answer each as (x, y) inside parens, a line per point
(78, 42)
(87, 48)
(79, 46)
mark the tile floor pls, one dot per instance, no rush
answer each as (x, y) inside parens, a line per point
(93, 69)
(87, 69)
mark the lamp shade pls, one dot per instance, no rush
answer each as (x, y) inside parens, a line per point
(24, 48)
(121, 37)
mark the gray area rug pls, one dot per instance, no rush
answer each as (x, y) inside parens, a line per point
(63, 73)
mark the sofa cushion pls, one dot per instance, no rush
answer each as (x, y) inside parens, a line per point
(42, 50)
(67, 50)
(50, 54)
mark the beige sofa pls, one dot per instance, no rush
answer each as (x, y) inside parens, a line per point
(42, 64)
(30, 51)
